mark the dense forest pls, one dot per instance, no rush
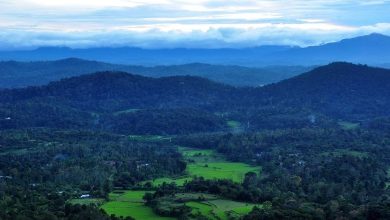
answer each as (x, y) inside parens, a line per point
(102, 100)
(315, 146)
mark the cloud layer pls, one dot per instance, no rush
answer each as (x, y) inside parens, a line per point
(183, 23)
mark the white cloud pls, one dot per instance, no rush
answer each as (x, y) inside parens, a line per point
(200, 23)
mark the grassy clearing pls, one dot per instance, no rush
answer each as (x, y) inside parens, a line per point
(201, 208)
(209, 165)
(202, 163)
(341, 152)
(233, 124)
(94, 201)
(130, 203)
(137, 211)
(348, 125)
(178, 181)
(132, 110)
(148, 138)
(220, 208)
(221, 170)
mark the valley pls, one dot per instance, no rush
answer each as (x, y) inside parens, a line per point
(201, 163)
(194, 110)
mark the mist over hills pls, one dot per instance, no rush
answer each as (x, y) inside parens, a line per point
(371, 49)
(20, 74)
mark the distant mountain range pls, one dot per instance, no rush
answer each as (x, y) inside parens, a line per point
(120, 101)
(371, 49)
(20, 74)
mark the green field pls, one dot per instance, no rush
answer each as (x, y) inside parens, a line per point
(95, 201)
(220, 208)
(130, 203)
(233, 124)
(178, 181)
(201, 163)
(209, 165)
(348, 125)
(221, 170)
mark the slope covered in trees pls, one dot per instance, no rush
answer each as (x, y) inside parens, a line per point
(110, 99)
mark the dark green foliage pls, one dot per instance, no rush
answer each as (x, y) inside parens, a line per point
(157, 121)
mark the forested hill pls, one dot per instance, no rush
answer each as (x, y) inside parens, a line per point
(20, 74)
(119, 102)
(340, 89)
(126, 103)
(114, 91)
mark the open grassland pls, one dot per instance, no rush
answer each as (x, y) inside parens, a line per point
(130, 203)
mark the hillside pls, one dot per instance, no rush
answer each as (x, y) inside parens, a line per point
(117, 101)
(339, 89)
(20, 74)
(123, 102)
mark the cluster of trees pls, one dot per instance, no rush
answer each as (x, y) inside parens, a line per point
(41, 169)
(163, 122)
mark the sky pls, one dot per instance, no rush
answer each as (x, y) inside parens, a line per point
(187, 23)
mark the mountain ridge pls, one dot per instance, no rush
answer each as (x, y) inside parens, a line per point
(369, 49)
(20, 74)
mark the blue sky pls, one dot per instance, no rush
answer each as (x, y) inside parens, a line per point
(187, 23)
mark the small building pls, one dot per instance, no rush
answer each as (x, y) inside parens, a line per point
(85, 196)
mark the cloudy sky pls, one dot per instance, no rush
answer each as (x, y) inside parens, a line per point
(187, 23)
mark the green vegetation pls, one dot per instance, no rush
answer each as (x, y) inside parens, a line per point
(131, 110)
(93, 201)
(348, 125)
(233, 124)
(130, 203)
(178, 181)
(221, 170)
(346, 152)
(209, 165)
(149, 138)
(220, 208)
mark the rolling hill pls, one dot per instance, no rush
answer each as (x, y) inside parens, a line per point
(124, 102)
(340, 89)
